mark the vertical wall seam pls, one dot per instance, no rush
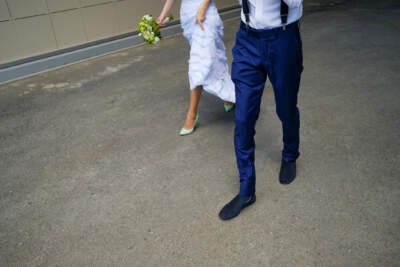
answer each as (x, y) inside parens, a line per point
(115, 4)
(83, 20)
(12, 20)
(52, 24)
(9, 10)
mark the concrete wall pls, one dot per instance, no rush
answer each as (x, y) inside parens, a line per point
(33, 27)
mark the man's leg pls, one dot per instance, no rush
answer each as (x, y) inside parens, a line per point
(249, 78)
(285, 70)
(248, 100)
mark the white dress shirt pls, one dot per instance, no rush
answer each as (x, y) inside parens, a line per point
(266, 14)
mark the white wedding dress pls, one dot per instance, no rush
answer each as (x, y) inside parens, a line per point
(207, 64)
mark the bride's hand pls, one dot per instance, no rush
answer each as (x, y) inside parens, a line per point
(201, 16)
(164, 13)
(160, 19)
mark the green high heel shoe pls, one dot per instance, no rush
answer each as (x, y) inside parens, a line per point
(186, 132)
(229, 108)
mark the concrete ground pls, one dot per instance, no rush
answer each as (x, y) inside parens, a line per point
(93, 171)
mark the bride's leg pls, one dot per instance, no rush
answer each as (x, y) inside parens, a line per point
(194, 103)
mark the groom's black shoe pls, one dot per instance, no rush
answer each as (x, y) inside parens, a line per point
(288, 172)
(233, 208)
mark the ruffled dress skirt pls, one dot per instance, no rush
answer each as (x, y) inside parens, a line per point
(207, 64)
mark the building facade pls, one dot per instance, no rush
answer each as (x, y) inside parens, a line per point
(30, 28)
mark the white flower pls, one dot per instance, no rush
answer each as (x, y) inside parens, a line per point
(146, 35)
(156, 39)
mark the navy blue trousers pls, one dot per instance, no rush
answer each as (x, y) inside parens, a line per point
(275, 53)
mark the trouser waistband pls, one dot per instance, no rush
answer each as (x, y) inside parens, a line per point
(267, 32)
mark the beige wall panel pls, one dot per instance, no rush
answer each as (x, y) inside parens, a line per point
(174, 10)
(149, 7)
(129, 13)
(9, 45)
(26, 8)
(126, 20)
(3, 11)
(36, 35)
(100, 21)
(59, 5)
(69, 28)
(95, 2)
(226, 3)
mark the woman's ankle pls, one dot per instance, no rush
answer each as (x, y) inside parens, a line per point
(227, 103)
(191, 115)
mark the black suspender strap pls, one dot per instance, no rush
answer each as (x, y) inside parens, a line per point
(246, 11)
(284, 14)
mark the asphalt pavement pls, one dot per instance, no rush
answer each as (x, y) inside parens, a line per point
(93, 171)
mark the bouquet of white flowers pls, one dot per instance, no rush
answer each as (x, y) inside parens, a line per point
(150, 30)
